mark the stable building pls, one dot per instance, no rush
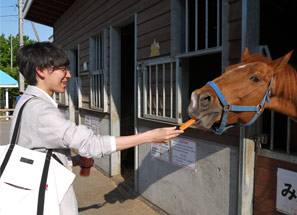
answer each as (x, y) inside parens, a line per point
(134, 65)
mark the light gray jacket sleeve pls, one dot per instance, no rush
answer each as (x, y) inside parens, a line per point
(57, 132)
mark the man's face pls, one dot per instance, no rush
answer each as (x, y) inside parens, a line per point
(56, 79)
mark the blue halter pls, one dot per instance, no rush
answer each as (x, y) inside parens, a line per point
(237, 108)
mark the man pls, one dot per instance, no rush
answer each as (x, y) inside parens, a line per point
(45, 67)
(19, 97)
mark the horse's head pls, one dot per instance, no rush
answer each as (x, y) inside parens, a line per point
(242, 84)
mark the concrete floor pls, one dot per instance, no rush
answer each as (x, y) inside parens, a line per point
(98, 194)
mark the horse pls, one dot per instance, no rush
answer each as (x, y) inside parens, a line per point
(240, 95)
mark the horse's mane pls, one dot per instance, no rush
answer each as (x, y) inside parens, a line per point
(287, 84)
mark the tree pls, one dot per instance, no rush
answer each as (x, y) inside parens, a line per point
(5, 60)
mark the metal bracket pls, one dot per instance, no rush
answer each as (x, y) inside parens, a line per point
(261, 139)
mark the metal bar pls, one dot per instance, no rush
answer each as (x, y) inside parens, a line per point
(160, 60)
(201, 52)
(167, 119)
(171, 89)
(187, 26)
(150, 88)
(144, 77)
(100, 90)
(92, 91)
(196, 25)
(288, 134)
(96, 90)
(136, 110)
(272, 131)
(91, 82)
(218, 22)
(278, 156)
(105, 70)
(99, 52)
(164, 95)
(157, 91)
(178, 91)
(206, 24)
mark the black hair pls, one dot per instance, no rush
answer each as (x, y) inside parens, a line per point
(39, 55)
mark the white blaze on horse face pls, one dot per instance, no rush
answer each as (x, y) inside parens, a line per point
(193, 99)
(234, 68)
(242, 66)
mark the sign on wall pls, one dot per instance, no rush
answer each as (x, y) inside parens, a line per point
(286, 194)
(179, 152)
(160, 151)
(92, 123)
(184, 153)
(155, 49)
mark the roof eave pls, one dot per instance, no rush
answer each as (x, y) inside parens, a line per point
(27, 8)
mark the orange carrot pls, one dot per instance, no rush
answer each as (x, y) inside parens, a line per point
(187, 124)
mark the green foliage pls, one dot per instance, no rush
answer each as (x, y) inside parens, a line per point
(5, 59)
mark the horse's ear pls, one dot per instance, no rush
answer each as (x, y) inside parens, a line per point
(281, 62)
(245, 54)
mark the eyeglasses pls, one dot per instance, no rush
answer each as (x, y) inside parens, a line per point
(64, 69)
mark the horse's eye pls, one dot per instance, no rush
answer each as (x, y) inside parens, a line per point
(254, 78)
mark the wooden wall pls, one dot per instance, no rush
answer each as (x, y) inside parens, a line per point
(85, 19)
(266, 184)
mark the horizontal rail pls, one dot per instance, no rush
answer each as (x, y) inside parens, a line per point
(5, 110)
(5, 117)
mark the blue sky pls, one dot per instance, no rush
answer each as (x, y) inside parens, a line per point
(9, 22)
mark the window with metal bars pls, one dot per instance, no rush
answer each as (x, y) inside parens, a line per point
(203, 24)
(62, 98)
(98, 65)
(160, 90)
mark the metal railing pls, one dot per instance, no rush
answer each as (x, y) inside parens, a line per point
(4, 113)
(160, 90)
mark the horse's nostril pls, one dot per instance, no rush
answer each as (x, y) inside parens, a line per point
(205, 100)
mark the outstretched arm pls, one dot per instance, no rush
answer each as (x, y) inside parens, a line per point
(159, 135)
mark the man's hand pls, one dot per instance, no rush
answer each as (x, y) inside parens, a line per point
(163, 135)
(159, 135)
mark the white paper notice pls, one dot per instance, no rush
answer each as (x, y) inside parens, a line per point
(92, 123)
(184, 153)
(286, 196)
(95, 125)
(160, 151)
(88, 121)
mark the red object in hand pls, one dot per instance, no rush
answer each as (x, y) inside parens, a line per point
(87, 163)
